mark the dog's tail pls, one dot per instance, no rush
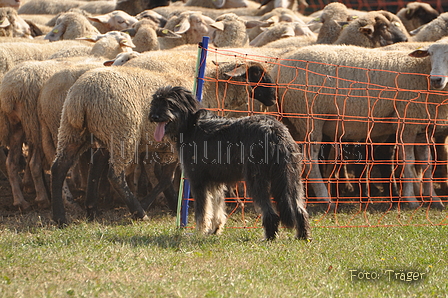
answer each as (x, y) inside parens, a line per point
(287, 189)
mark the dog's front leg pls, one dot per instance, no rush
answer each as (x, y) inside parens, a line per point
(203, 208)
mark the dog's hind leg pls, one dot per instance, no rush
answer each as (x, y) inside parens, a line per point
(219, 210)
(260, 194)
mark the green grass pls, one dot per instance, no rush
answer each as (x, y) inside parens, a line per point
(118, 257)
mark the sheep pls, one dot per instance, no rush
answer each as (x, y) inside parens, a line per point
(291, 42)
(11, 24)
(13, 53)
(153, 16)
(374, 29)
(282, 30)
(432, 31)
(277, 15)
(20, 106)
(111, 105)
(10, 3)
(107, 45)
(116, 20)
(145, 35)
(334, 16)
(416, 14)
(218, 4)
(134, 7)
(71, 25)
(192, 25)
(230, 31)
(346, 84)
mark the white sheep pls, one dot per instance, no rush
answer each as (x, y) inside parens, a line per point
(282, 30)
(11, 24)
(333, 17)
(356, 93)
(106, 45)
(71, 25)
(374, 29)
(277, 15)
(192, 25)
(416, 14)
(146, 35)
(221, 4)
(230, 31)
(111, 105)
(19, 104)
(13, 53)
(116, 20)
(432, 31)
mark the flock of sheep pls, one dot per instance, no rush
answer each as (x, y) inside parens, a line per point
(77, 78)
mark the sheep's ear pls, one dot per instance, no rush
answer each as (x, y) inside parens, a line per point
(126, 42)
(161, 32)
(415, 31)
(35, 30)
(218, 26)
(130, 31)
(100, 19)
(272, 20)
(182, 27)
(367, 30)
(254, 23)
(421, 53)
(56, 33)
(108, 62)
(288, 32)
(4, 23)
(91, 38)
(218, 3)
(409, 13)
(238, 71)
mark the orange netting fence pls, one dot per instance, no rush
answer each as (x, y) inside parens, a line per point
(365, 178)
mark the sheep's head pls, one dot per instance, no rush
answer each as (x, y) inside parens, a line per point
(115, 20)
(416, 14)
(13, 25)
(382, 28)
(438, 53)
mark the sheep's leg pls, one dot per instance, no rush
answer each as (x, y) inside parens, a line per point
(37, 174)
(59, 170)
(427, 185)
(98, 163)
(408, 177)
(121, 186)
(313, 172)
(12, 165)
(165, 184)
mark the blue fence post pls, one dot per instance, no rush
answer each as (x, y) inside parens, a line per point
(184, 192)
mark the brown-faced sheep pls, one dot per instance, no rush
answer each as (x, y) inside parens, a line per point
(356, 93)
(416, 14)
(374, 29)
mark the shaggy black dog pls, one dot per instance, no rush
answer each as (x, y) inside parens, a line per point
(215, 151)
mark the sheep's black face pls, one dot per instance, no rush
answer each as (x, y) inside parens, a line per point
(389, 31)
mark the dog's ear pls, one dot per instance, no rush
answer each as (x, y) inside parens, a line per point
(262, 84)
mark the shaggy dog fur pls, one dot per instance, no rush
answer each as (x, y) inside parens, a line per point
(215, 151)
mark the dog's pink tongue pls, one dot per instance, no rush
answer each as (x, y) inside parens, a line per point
(160, 131)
